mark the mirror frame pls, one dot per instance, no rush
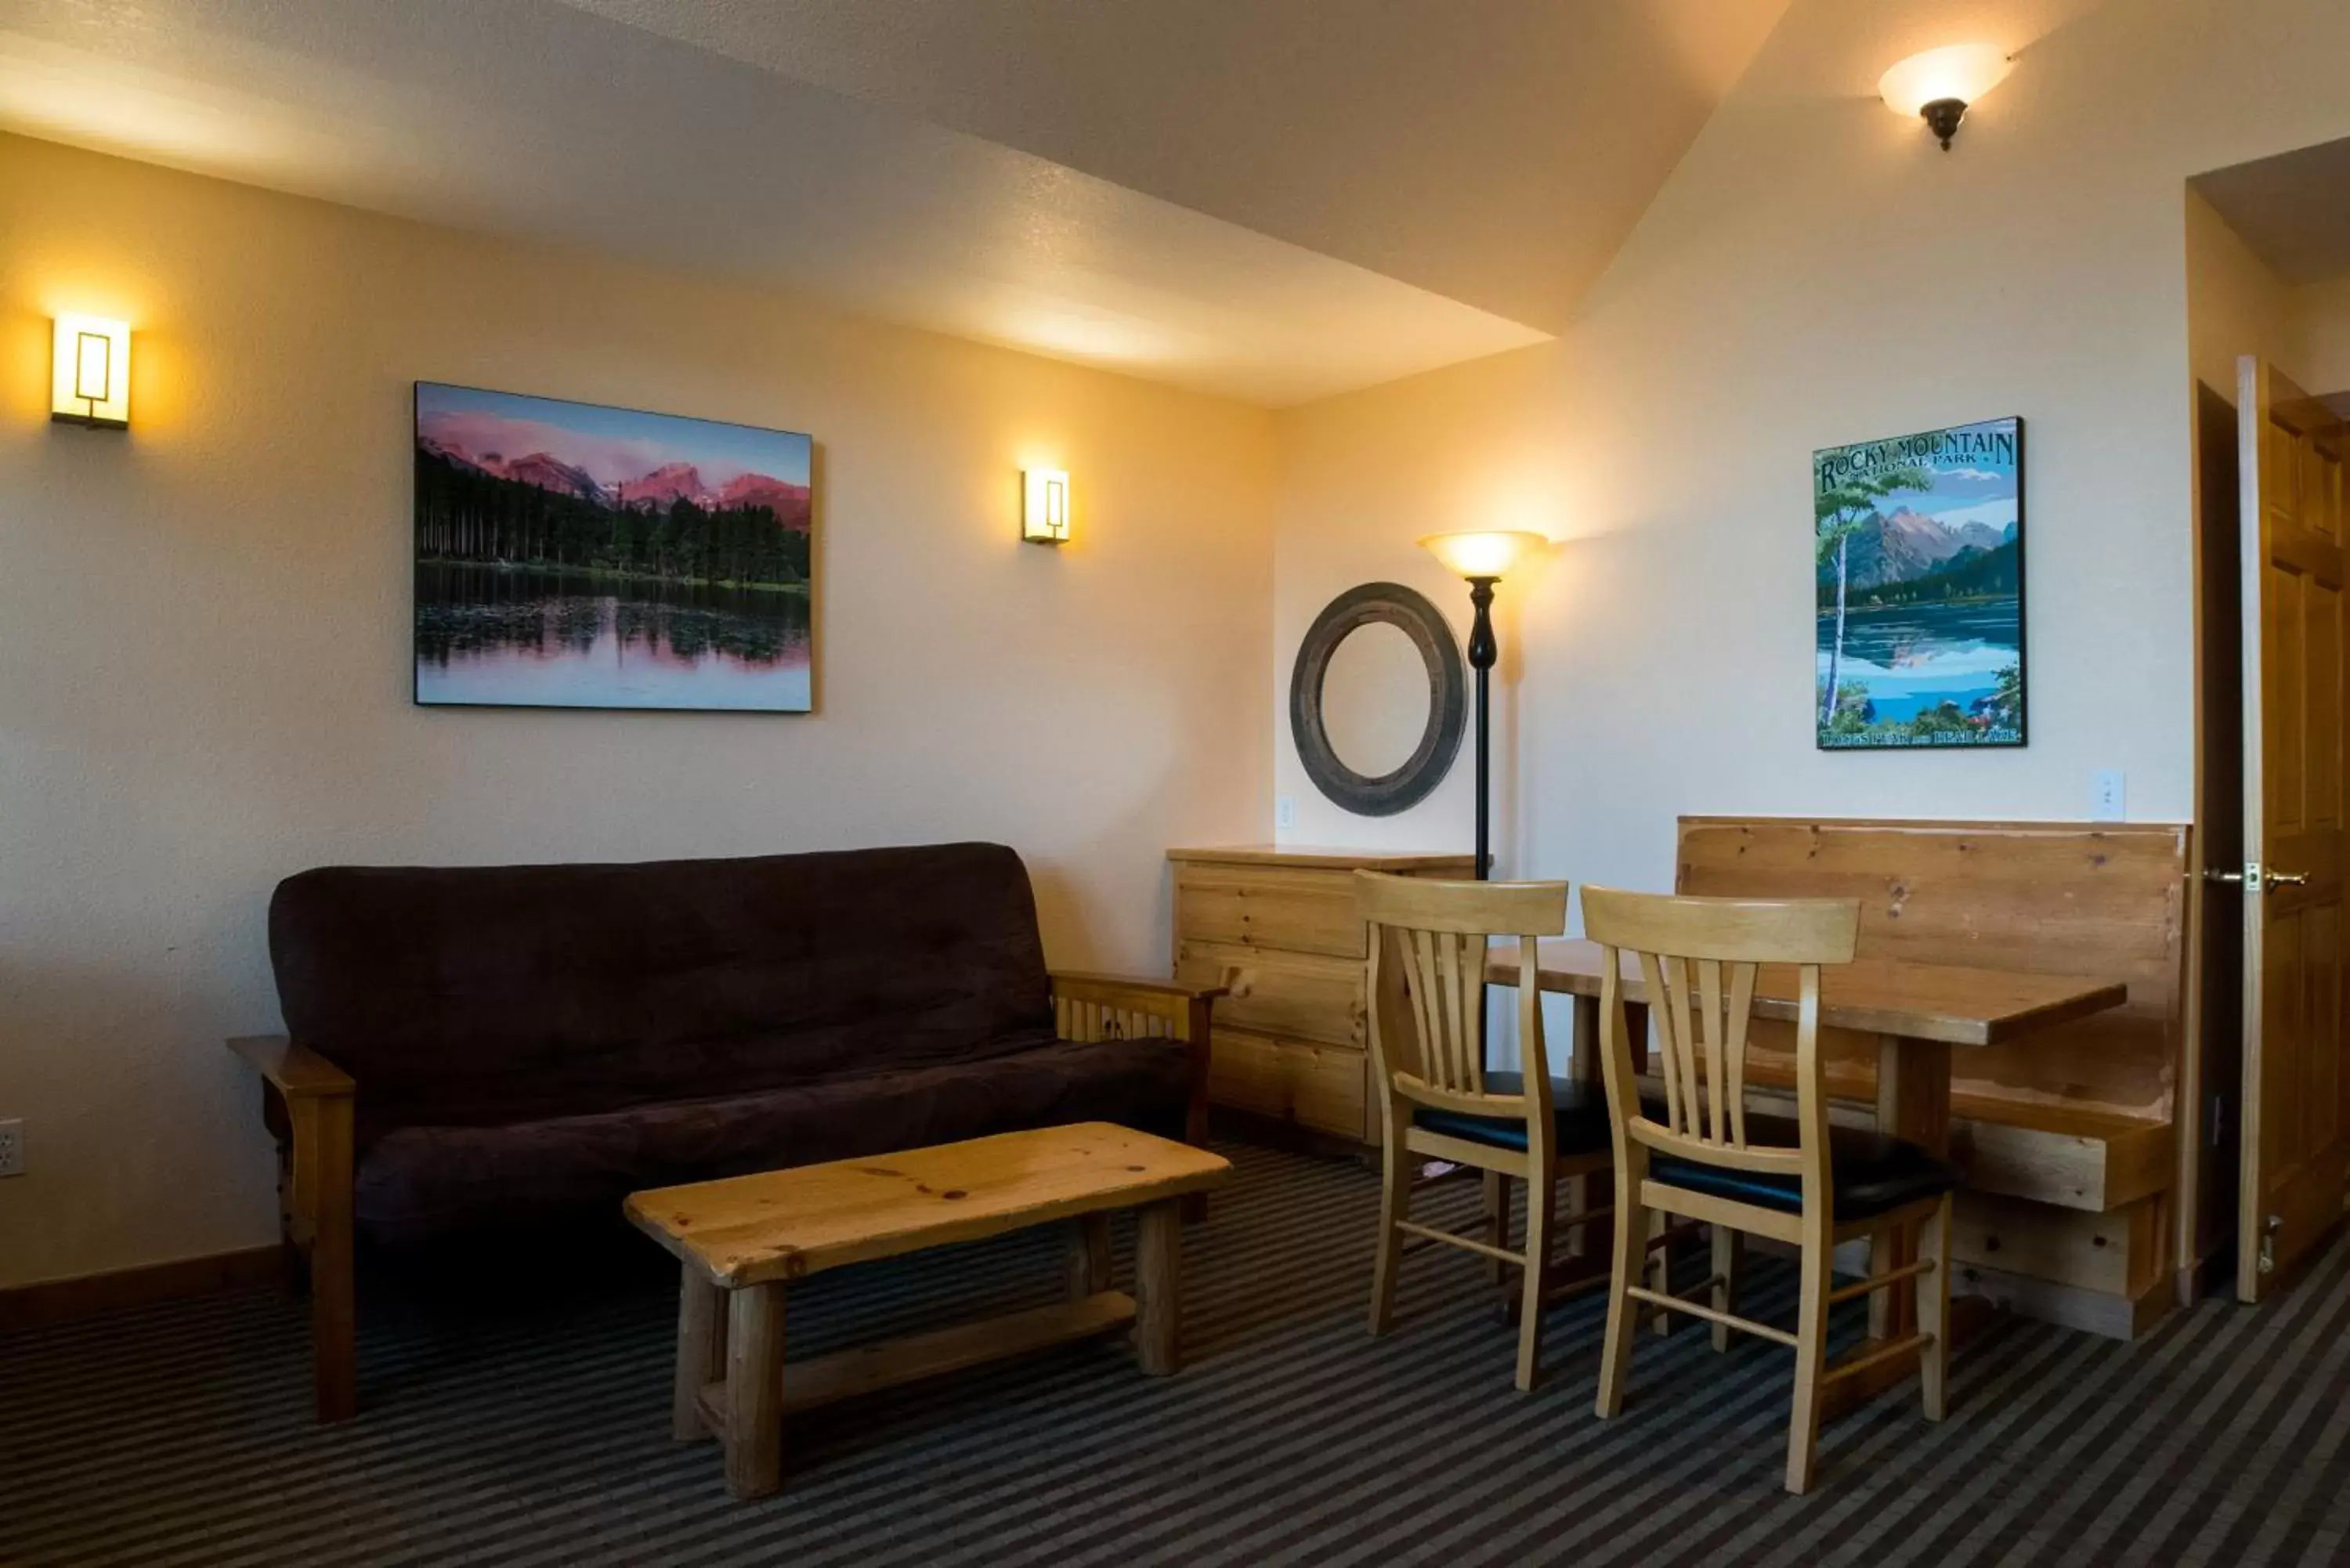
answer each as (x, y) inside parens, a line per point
(1382, 794)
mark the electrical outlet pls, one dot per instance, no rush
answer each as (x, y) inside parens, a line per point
(12, 1149)
(1285, 812)
(2109, 796)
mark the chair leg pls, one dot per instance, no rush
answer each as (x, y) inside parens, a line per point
(1497, 1220)
(1729, 1265)
(1394, 1205)
(1541, 1198)
(1934, 1314)
(1661, 1270)
(1623, 1324)
(1811, 1360)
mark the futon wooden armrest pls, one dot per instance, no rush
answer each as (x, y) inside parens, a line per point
(314, 1197)
(1090, 1007)
(295, 1071)
(1078, 984)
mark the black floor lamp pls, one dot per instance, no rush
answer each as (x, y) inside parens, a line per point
(1484, 559)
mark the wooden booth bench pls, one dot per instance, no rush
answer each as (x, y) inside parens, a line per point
(2068, 1136)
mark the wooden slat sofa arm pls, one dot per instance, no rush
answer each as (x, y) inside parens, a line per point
(1081, 984)
(295, 1071)
(1088, 1007)
(314, 1202)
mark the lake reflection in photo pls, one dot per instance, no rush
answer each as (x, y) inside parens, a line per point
(530, 638)
(1918, 656)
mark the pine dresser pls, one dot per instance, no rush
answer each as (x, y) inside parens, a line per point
(1277, 926)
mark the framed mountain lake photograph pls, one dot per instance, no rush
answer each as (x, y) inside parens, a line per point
(573, 555)
(1918, 545)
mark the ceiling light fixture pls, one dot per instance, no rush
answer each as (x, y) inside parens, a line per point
(1941, 84)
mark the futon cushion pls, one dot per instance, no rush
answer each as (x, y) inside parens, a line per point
(1578, 1113)
(422, 1183)
(480, 994)
(1872, 1173)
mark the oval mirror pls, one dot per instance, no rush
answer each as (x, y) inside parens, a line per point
(1375, 698)
(1378, 699)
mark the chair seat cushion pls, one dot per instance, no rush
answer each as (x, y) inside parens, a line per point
(1873, 1174)
(418, 1184)
(1578, 1112)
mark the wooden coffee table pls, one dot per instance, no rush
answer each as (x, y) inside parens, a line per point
(741, 1241)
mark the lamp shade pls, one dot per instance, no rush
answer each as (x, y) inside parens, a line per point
(1483, 555)
(1960, 74)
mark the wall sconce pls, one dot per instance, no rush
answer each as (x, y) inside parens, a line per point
(1940, 83)
(1045, 509)
(89, 380)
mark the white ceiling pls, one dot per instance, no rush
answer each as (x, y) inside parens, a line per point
(1273, 200)
(2292, 210)
(1496, 151)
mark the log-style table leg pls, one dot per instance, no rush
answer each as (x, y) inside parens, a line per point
(1088, 1256)
(1158, 1286)
(1913, 1102)
(701, 1352)
(1583, 1070)
(754, 1390)
(1585, 1193)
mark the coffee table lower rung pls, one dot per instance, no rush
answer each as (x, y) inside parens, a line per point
(866, 1368)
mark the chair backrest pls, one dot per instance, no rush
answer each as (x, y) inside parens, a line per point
(1426, 987)
(1699, 958)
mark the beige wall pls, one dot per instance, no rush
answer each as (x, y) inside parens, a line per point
(205, 644)
(1814, 273)
(2235, 304)
(2320, 314)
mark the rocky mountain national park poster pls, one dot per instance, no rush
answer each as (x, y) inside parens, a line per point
(571, 556)
(1921, 572)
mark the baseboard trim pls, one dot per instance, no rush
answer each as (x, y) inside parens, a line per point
(47, 1301)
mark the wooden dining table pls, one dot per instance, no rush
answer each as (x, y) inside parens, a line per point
(1917, 1012)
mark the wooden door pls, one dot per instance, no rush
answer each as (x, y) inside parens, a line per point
(2294, 1134)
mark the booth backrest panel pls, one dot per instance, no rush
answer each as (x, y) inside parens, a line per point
(2107, 899)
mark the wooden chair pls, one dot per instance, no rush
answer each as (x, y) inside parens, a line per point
(1427, 990)
(1799, 1181)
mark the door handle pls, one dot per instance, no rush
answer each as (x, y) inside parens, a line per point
(2257, 878)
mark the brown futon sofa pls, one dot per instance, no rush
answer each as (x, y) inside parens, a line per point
(495, 1047)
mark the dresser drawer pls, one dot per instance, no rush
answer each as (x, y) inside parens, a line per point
(1300, 996)
(1319, 1086)
(1288, 910)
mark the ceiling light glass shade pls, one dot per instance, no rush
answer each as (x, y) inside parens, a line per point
(1487, 554)
(1962, 73)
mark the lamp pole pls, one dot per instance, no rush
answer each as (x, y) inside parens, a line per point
(1483, 559)
(1483, 650)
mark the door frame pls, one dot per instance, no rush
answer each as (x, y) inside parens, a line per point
(2207, 1110)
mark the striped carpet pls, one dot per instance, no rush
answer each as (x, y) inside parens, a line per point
(530, 1428)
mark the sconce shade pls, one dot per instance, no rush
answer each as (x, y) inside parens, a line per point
(1941, 83)
(1483, 555)
(89, 382)
(1045, 509)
